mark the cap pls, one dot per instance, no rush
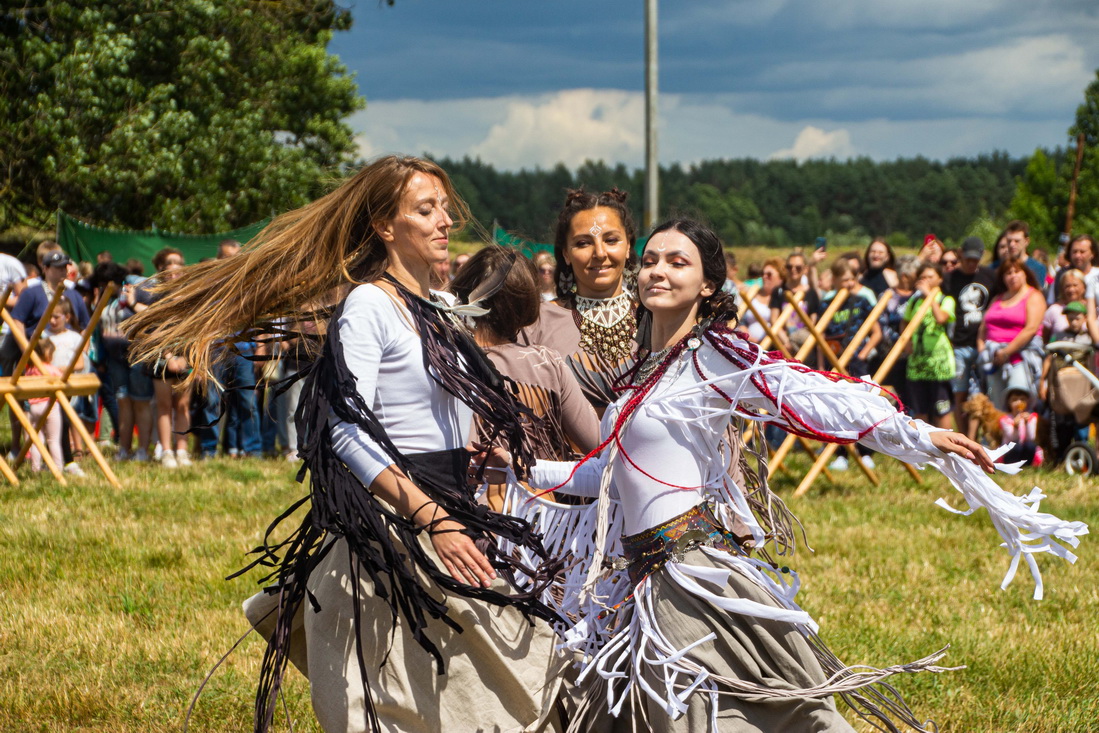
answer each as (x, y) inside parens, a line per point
(54, 259)
(1076, 306)
(929, 239)
(973, 248)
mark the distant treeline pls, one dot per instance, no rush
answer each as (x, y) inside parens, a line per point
(779, 202)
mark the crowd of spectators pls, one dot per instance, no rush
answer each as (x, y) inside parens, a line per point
(149, 410)
(986, 332)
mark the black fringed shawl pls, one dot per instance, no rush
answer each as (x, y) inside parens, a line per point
(341, 507)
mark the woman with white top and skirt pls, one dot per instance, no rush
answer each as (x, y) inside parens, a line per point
(679, 626)
(391, 595)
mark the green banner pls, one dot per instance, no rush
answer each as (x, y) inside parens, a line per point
(528, 248)
(83, 242)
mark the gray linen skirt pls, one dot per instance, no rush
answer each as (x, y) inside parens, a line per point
(773, 654)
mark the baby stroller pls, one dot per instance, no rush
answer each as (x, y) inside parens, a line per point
(1073, 398)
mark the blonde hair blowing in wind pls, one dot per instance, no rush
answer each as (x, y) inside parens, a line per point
(292, 271)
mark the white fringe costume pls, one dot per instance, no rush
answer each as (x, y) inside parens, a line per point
(669, 457)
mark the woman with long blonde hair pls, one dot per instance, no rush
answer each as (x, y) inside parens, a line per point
(394, 576)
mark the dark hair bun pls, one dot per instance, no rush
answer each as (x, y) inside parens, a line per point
(720, 306)
(576, 196)
(617, 194)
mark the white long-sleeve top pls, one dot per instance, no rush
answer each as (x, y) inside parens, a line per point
(670, 451)
(385, 354)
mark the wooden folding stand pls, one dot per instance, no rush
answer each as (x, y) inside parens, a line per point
(771, 330)
(18, 387)
(775, 463)
(883, 370)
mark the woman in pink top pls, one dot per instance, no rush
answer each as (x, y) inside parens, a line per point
(1006, 341)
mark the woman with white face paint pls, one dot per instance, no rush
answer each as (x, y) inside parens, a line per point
(393, 578)
(591, 323)
(679, 624)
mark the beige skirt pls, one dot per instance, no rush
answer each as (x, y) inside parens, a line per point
(502, 672)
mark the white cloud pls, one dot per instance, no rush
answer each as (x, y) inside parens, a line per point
(569, 127)
(813, 142)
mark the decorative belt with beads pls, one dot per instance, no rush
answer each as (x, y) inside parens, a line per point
(646, 552)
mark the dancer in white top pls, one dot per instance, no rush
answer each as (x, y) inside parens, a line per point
(698, 634)
(391, 595)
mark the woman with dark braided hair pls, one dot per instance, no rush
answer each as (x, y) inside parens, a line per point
(394, 577)
(591, 323)
(681, 627)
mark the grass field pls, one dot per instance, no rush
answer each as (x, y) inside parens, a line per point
(113, 607)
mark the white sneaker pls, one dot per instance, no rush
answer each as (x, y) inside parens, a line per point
(168, 460)
(868, 461)
(840, 464)
(74, 468)
(293, 457)
(233, 452)
(141, 456)
(183, 458)
(158, 451)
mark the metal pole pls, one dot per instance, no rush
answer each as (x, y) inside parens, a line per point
(652, 167)
(1072, 189)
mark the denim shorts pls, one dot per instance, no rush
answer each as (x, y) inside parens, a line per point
(129, 382)
(965, 370)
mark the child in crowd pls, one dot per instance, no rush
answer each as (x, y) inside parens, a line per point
(66, 341)
(841, 330)
(51, 430)
(1075, 314)
(931, 357)
(849, 319)
(1020, 426)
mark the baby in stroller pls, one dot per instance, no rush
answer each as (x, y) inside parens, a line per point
(1071, 390)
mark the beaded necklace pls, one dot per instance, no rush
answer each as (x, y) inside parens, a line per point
(606, 325)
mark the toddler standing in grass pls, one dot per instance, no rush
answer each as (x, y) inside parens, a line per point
(51, 431)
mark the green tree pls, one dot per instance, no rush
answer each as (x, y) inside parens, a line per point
(195, 115)
(1042, 192)
(1087, 186)
(1041, 199)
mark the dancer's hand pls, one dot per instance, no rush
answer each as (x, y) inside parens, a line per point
(495, 460)
(950, 442)
(462, 559)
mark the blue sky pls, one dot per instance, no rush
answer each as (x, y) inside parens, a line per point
(527, 83)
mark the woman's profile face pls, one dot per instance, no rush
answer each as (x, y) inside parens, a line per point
(671, 277)
(597, 250)
(421, 229)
